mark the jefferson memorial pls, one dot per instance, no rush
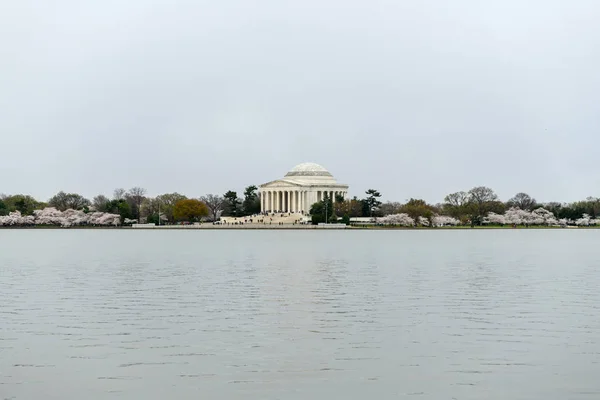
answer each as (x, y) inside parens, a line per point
(299, 189)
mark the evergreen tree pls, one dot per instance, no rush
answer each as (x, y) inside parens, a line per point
(232, 204)
(323, 211)
(251, 204)
(371, 202)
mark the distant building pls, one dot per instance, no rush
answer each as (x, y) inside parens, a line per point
(304, 185)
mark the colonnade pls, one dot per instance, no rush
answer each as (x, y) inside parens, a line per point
(294, 200)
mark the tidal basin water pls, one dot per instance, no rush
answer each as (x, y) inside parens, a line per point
(474, 314)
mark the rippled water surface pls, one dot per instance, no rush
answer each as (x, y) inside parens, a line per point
(103, 314)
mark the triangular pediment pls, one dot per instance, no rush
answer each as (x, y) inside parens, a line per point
(281, 183)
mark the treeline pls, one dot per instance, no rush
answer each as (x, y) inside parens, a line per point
(466, 207)
(134, 205)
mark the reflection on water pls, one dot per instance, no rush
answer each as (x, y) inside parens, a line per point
(298, 315)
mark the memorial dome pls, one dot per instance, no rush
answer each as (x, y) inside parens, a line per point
(308, 169)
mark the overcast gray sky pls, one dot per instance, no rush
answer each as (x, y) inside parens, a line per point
(414, 98)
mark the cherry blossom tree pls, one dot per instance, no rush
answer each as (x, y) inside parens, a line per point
(493, 218)
(516, 216)
(585, 220)
(444, 220)
(16, 219)
(396, 219)
(53, 217)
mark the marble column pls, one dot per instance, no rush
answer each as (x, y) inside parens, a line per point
(307, 197)
(295, 201)
(304, 200)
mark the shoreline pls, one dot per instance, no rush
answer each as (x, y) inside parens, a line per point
(294, 227)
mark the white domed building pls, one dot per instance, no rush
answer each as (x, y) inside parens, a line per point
(300, 188)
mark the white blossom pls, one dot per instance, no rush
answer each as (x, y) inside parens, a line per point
(494, 218)
(539, 216)
(396, 219)
(546, 216)
(423, 221)
(16, 219)
(52, 216)
(583, 221)
(444, 220)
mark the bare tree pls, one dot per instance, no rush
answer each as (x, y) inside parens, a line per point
(457, 199)
(523, 201)
(389, 208)
(215, 204)
(163, 203)
(100, 202)
(63, 201)
(119, 194)
(483, 198)
(136, 195)
(456, 204)
(594, 206)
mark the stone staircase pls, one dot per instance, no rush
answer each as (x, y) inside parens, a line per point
(268, 219)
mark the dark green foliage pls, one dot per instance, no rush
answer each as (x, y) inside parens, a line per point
(152, 219)
(120, 207)
(365, 209)
(371, 202)
(251, 204)
(322, 211)
(346, 219)
(123, 209)
(317, 213)
(25, 204)
(232, 204)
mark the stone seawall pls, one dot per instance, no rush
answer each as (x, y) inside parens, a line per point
(245, 226)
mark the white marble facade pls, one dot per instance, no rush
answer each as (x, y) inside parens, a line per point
(304, 185)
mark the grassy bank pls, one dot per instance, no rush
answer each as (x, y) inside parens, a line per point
(292, 227)
(465, 227)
